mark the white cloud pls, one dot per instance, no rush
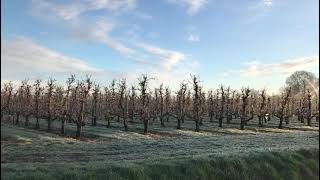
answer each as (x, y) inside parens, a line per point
(193, 38)
(101, 32)
(99, 29)
(113, 5)
(63, 11)
(256, 68)
(168, 58)
(68, 11)
(22, 58)
(81, 28)
(168, 66)
(261, 5)
(74, 9)
(171, 78)
(268, 3)
(193, 6)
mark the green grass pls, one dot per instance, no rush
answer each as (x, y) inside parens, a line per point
(301, 164)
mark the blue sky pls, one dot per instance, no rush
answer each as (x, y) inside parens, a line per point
(256, 43)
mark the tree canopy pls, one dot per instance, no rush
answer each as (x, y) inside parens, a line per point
(300, 81)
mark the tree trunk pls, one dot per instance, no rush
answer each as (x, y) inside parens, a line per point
(260, 121)
(145, 124)
(37, 123)
(17, 119)
(309, 112)
(26, 123)
(131, 116)
(125, 124)
(49, 124)
(179, 124)
(108, 124)
(197, 126)
(309, 121)
(11, 117)
(300, 118)
(229, 118)
(94, 121)
(63, 126)
(220, 121)
(69, 120)
(286, 120)
(161, 121)
(242, 124)
(78, 133)
(280, 124)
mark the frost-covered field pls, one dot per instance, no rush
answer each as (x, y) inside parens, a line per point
(114, 145)
(165, 153)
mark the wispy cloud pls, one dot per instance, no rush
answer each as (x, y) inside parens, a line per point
(192, 6)
(150, 59)
(101, 32)
(142, 15)
(256, 68)
(259, 9)
(61, 11)
(68, 11)
(166, 66)
(71, 10)
(98, 29)
(113, 5)
(22, 57)
(171, 77)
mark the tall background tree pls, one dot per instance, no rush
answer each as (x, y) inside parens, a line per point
(305, 89)
(300, 81)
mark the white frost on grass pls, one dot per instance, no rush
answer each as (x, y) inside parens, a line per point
(115, 145)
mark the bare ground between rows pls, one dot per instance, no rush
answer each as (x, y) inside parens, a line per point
(114, 153)
(164, 132)
(87, 136)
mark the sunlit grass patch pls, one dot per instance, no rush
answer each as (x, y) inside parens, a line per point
(232, 131)
(305, 128)
(272, 130)
(189, 132)
(14, 139)
(23, 139)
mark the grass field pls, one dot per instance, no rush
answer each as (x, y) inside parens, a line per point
(166, 153)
